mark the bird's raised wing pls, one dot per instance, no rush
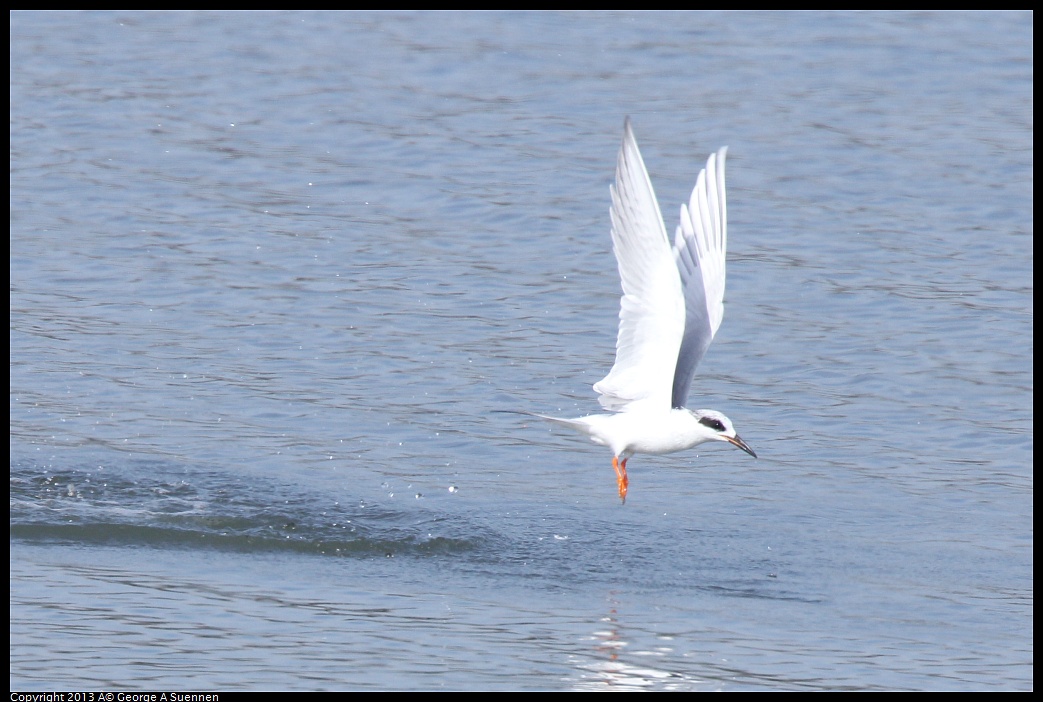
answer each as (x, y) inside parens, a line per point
(699, 249)
(651, 314)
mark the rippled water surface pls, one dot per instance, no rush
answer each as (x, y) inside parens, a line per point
(273, 276)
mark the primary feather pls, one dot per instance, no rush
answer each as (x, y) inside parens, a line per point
(673, 296)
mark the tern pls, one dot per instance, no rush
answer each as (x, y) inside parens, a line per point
(671, 308)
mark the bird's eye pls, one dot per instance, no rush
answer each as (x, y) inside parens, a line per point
(712, 423)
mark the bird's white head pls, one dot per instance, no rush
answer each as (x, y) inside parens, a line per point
(719, 428)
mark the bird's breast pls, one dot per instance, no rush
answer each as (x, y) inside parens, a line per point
(660, 432)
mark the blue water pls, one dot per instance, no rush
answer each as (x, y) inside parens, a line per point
(273, 275)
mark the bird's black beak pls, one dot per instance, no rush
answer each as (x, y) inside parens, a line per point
(736, 441)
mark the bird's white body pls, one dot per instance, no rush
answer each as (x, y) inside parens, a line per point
(662, 432)
(672, 306)
(627, 433)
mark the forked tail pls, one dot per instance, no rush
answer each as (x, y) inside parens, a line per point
(575, 424)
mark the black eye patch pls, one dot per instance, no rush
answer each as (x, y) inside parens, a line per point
(712, 423)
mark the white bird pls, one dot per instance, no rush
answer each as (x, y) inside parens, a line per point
(672, 305)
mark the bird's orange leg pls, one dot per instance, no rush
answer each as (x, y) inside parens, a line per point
(621, 476)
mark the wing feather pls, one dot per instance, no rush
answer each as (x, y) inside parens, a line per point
(700, 245)
(652, 308)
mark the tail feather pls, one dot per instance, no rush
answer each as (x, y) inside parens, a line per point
(579, 425)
